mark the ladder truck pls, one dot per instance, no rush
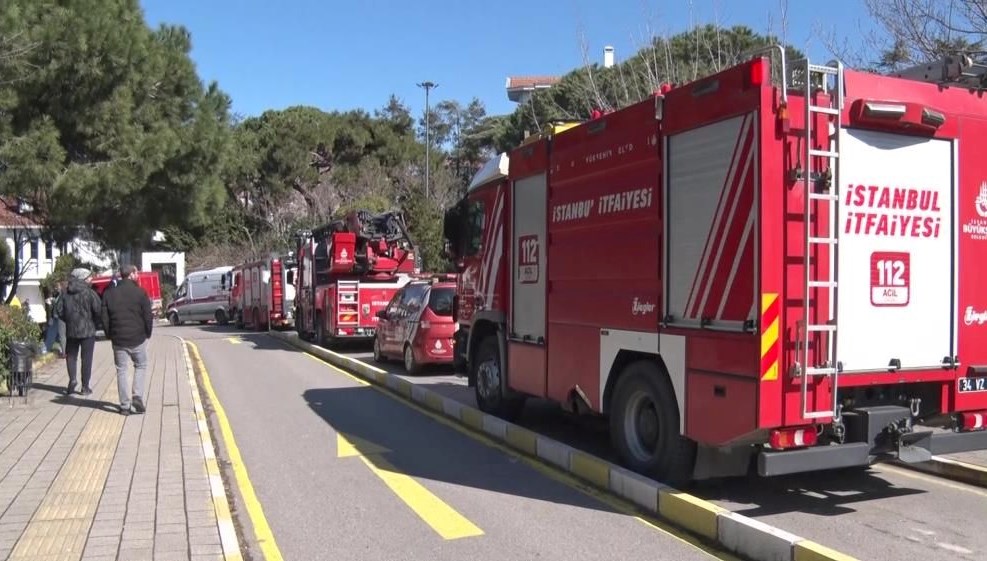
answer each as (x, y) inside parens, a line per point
(348, 270)
(774, 269)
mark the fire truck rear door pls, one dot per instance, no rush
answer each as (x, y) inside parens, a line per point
(528, 270)
(897, 258)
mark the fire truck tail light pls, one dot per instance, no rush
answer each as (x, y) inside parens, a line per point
(792, 438)
(973, 420)
(757, 72)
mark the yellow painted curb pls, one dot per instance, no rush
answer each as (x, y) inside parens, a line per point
(590, 468)
(949, 468)
(434, 402)
(472, 417)
(690, 512)
(224, 517)
(807, 550)
(522, 439)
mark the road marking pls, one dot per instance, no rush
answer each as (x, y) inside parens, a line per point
(441, 517)
(262, 531)
(619, 505)
(930, 479)
(234, 340)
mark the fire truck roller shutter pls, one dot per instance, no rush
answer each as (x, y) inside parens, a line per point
(711, 220)
(528, 284)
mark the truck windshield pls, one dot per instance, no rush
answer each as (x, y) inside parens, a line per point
(440, 301)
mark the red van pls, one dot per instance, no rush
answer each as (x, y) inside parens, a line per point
(418, 324)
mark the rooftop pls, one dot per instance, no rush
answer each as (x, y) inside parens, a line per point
(519, 86)
(15, 214)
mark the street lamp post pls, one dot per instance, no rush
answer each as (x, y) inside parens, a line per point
(428, 86)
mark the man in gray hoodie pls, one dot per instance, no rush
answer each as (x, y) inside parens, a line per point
(79, 308)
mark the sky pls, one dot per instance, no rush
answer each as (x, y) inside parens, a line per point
(348, 54)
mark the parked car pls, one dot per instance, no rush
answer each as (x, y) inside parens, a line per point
(418, 324)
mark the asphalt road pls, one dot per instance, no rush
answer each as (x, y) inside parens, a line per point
(881, 513)
(422, 490)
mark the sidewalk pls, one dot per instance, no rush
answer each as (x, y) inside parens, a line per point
(79, 481)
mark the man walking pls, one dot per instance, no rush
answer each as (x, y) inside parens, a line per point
(127, 321)
(79, 309)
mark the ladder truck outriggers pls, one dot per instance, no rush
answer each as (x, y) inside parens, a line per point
(776, 268)
(348, 270)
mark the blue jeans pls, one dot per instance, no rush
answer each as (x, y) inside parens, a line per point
(121, 358)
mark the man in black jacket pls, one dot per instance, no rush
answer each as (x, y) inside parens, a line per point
(79, 309)
(128, 322)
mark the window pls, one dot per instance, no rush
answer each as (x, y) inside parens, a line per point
(440, 301)
(182, 290)
(35, 248)
(412, 300)
(49, 250)
(474, 228)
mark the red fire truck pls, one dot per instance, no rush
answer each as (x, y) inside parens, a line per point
(263, 293)
(348, 270)
(726, 270)
(148, 280)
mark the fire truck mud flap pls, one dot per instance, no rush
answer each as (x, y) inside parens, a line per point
(872, 434)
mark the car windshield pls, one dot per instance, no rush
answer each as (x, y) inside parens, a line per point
(440, 301)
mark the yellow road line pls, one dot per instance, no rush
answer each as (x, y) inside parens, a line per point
(262, 531)
(444, 519)
(234, 340)
(441, 517)
(224, 518)
(616, 503)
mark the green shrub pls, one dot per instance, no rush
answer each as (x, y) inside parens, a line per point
(15, 325)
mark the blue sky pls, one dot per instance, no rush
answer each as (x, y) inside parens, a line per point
(353, 54)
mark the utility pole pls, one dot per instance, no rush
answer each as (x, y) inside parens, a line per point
(428, 86)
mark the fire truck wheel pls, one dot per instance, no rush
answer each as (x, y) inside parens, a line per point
(489, 392)
(320, 333)
(411, 365)
(644, 425)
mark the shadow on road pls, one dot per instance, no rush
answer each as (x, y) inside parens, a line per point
(825, 493)
(422, 448)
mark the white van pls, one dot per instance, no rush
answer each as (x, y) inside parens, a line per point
(203, 296)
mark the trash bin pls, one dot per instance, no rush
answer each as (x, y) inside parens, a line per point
(21, 355)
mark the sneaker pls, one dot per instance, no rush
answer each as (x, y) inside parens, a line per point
(124, 412)
(69, 390)
(86, 391)
(138, 404)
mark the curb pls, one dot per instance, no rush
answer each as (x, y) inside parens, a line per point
(734, 532)
(224, 519)
(963, 472)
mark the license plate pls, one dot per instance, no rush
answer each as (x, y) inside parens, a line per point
(978, 384)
